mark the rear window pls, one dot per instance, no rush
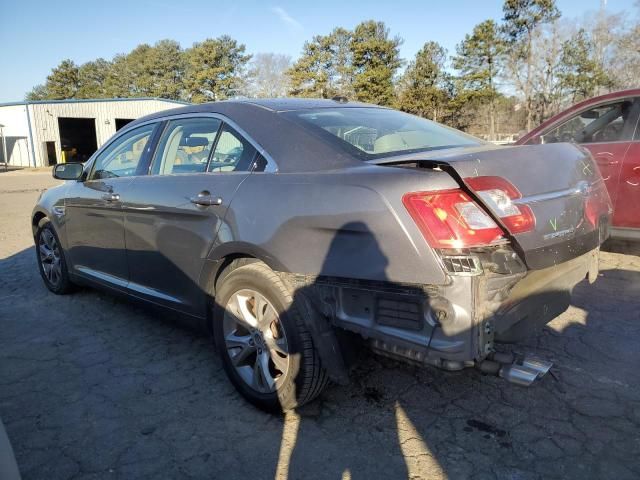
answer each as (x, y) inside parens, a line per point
(371, 133)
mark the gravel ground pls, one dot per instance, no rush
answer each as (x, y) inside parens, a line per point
(92, 387)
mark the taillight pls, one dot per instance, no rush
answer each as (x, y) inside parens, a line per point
(498, 194)
(451, 219)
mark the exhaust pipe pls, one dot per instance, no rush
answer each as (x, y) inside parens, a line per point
(541, 367)
(518, 375)
(507, 366)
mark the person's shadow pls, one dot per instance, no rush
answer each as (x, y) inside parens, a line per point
(435, 424)
(301, 455)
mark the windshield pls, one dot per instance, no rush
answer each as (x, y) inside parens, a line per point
(376, 132)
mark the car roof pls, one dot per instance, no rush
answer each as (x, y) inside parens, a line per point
(289, 104)
(293, 147)
(272, 104)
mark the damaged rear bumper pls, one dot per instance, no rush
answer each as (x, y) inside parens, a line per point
(455, 325)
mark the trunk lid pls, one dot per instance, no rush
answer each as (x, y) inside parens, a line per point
(559, 182)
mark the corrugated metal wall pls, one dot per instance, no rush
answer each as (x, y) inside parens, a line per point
(16, 134)
(44, 119)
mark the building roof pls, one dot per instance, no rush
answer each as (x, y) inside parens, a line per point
(92, 100)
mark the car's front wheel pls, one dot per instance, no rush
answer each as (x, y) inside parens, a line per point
(266, 350)
(51, 259)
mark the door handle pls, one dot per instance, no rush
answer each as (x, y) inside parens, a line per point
(111, 197)
(205, 199)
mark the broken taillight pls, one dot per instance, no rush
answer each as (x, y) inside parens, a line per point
(451, 219)
(499, 195)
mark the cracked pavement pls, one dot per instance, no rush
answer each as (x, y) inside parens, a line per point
(93, 387)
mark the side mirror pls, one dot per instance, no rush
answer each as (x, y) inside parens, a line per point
(68, 171)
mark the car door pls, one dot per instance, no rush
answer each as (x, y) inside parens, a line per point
(606, 130)
(173, 214)
(94, 221)
(627, 212)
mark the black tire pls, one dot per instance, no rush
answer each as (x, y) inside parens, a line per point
(305, 378)
(59, 284)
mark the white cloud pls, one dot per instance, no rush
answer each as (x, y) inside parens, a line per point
(286, 18)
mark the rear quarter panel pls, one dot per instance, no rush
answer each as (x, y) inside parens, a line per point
(348, 223)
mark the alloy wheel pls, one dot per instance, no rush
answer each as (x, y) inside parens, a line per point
(50, 259)
(255, 341)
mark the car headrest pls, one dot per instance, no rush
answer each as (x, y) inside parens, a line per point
(194, 142)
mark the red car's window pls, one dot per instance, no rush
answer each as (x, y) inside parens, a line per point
(601, 124)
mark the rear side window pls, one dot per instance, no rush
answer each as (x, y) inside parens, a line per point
(370, 133)
(185, 146)
(232, 152)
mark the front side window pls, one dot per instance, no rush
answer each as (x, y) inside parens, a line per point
(370, 133)
(232, 153)
(122, 157)
(602, 124)
(185, 146)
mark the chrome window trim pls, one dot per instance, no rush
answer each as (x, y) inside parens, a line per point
(153, 154)
(272, 166)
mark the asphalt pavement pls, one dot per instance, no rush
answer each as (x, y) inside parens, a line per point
(92, 387)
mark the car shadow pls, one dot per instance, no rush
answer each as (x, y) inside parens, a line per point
(92, 385)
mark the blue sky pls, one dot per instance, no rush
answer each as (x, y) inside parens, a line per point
(36, 35)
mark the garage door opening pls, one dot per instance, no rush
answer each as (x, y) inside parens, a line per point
(78, 138)
(121, 122)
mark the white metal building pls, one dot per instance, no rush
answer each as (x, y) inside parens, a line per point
(47, 132)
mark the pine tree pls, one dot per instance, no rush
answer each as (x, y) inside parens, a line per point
(376, 59)
(63, 82)
(215, 69)
(423, 86)
(479, 58)
(325, 68)
(521, 19)
(358, 65)
(92, 78)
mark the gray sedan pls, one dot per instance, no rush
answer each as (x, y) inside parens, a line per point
(296, 231)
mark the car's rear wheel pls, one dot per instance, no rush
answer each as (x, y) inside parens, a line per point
(51, 260)
(266, 350)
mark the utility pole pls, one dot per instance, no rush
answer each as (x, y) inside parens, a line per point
(4, 149)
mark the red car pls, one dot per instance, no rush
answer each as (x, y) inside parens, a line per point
(608, 126)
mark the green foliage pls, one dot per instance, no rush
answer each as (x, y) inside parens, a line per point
(147, 71)
(521, 20)
(39, 92)
(63, 82)
(580, 74)
(530, 51)
(214, 69)
(376, 59)
(521, 17)
(92, 78)
(325, 68)
(360, 64)
(424, 85)
(479, 59)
